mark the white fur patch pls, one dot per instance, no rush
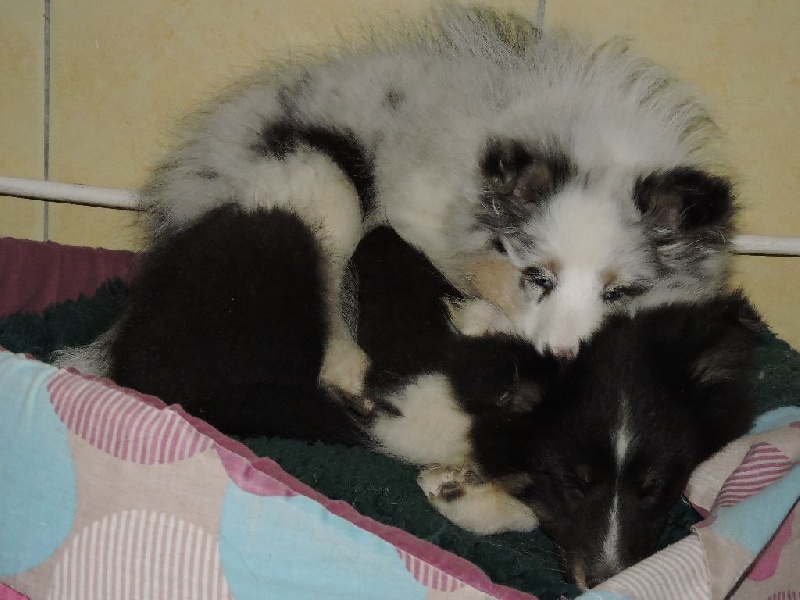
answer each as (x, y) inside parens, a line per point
(587, 237)
(611, 541)
(433, 429)
(313, 187)
(622, 440)
(478, 317)
(623, 437)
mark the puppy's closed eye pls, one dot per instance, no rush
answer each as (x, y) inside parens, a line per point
(578, 483)
(651, 486)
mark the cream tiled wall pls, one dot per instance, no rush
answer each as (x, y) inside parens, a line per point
(122, 73)
(21, 111)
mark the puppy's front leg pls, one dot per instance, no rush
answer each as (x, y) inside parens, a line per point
(344, 366)
(472, 504)
(327, 200)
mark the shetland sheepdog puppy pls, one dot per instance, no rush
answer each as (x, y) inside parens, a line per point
(608, 449)
(555, 180)
(228, 317)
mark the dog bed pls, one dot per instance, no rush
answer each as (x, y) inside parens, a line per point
(108, 493)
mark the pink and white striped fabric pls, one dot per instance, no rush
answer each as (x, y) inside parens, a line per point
(763, 465)
(116, 421)
(140, 554)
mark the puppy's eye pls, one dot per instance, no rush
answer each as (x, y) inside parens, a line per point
(579, 484)
(650, 486)
(540, 278)
(621, 292)
(544, 283)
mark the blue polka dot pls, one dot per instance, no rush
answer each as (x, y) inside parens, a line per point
(292, 548)
(775, 419)
(37, 494)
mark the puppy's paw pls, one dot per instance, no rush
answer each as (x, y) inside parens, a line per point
(463, 497)
(444, 484)
(344, 366)
(475, 317)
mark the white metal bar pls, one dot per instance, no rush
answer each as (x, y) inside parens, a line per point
(767, 244)
(67, 192)
(116, 198)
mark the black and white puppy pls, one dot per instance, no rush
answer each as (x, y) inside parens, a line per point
(610, 447)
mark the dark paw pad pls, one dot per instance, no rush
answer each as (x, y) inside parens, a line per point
(451, 490)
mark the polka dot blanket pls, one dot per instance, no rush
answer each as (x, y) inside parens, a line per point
(109, 494)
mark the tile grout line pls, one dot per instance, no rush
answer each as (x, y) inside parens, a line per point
(46, 120)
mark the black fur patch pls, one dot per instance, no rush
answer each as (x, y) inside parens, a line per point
(227, 317)
(403, 323)
(278, 140)
(685, 199)
(394, 98)
(516, 180)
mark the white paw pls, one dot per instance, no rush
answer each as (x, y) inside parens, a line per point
(461, 496)
(344, 366)
(475, 317)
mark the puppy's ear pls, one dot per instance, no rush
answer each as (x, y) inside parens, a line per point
(714, 345)
(533, 377)
(516, 178)
(726, 334)
(685, 199)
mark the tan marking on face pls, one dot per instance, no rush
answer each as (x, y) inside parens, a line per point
(497, 281)
(649, 481)
(553, 266)
(609, 277)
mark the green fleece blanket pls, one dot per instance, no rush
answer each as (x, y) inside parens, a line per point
(380, 487)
